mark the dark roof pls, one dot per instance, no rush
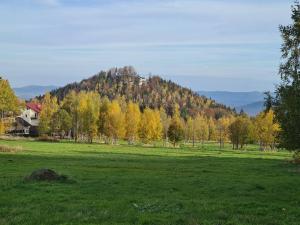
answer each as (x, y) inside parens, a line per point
(34, 106)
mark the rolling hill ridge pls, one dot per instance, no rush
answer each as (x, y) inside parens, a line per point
(153, 92)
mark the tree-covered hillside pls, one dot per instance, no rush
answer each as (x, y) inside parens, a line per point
(153, 92)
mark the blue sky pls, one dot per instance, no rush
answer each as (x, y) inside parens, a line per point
(206, 45)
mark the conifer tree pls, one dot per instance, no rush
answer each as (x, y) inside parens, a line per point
(176, 130)
(287, 100)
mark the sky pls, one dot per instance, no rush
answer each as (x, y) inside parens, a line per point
(231, 45)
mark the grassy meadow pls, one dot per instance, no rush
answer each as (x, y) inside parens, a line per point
(146, 185)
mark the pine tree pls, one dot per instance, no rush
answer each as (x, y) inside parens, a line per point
(176, 130)
(287, 100)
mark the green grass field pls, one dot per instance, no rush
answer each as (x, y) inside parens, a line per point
(140, 185)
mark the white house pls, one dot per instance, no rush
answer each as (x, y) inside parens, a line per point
(28, 121)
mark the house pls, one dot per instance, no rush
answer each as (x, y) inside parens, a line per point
(27, 123)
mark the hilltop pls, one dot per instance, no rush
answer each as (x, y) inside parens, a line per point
(153, 92)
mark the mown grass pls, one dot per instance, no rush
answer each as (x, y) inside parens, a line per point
(144, 185)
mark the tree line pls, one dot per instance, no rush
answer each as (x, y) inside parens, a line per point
(85, 116)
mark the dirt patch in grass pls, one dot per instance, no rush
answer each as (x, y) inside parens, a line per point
(13, 149)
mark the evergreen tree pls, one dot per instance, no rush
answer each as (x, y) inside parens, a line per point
(176, 130)
(287, 100)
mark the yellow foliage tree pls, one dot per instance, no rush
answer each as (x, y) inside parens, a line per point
(201, 128)
(212, 128)
(89, 105)
(266, 129)
(165, 121)
(49, 107)
(9, 105)
(150, 126)
(71, 105)
(114, 122)
(132, 122)
(223, 130)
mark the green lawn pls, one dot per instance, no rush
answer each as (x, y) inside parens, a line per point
(139, 185)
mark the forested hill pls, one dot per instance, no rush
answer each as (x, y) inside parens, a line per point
(153, 92)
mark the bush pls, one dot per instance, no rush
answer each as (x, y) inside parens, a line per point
(6, 148)
(296, 157)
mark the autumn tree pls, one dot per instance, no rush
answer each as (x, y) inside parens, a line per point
(8, 103)
(8, 100)
(132, 122)
(61, 122)
(150, 126)
(165, 121)
(114, 122)
(103, 116)
(222, 130)
(239, 131)
(71, 104)
(201, 128)
(190, 131)
(176, 130)
(89, 105)
(49, 107)
(266, 129)
(212, 129)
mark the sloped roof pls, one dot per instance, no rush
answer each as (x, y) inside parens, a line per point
(34, 106)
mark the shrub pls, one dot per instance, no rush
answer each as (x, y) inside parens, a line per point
(296, 157)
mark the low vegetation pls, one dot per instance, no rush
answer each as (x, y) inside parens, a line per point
(7, 148)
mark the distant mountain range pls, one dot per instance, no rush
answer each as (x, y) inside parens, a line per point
(32, 91)
(251, 102)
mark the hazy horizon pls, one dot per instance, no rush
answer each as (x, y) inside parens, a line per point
(207, 45)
